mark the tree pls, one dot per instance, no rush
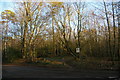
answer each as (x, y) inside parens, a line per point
(79, 10)
(107, 19)
(31, 23)
(118, 17)
(55, 8)
(63, 26)
(114, 28)
(7, 17)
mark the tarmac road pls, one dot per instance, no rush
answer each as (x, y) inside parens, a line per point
(15, 71)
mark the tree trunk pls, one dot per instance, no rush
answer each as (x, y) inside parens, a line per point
(118, 30)
(53, 35)
(109, 40)
(24, 40)
(25, 31)
(113, 29)
(78, 30)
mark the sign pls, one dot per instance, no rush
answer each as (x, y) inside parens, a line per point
(77, 50)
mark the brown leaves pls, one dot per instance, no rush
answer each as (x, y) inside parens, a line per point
(55, 6)
(8, 15)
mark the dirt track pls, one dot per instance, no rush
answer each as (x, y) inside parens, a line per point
(14, 71)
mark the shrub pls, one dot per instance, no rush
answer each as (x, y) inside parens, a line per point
(12, 54)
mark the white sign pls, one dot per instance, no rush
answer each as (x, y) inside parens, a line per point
(77, 50)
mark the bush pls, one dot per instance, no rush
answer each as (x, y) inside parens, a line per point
(12, 54)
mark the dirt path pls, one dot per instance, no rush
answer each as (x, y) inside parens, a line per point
(14, 71)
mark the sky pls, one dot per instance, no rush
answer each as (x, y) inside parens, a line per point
(6, 6)
(9, 4)
(56, 0)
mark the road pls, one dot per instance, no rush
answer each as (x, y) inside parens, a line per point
(15, 71)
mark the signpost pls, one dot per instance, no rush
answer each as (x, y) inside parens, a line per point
(77, 50)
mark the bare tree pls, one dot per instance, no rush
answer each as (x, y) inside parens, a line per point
(107, 19)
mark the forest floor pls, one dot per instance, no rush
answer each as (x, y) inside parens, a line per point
(70, 62)
(61, 68)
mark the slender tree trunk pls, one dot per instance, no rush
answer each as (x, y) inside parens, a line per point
(3, 44)
(53, 34)
(22, 39)
(5, 41)
(78, 32)
(113, 29)
(107, 19)
(118, 30)
(79, 27)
